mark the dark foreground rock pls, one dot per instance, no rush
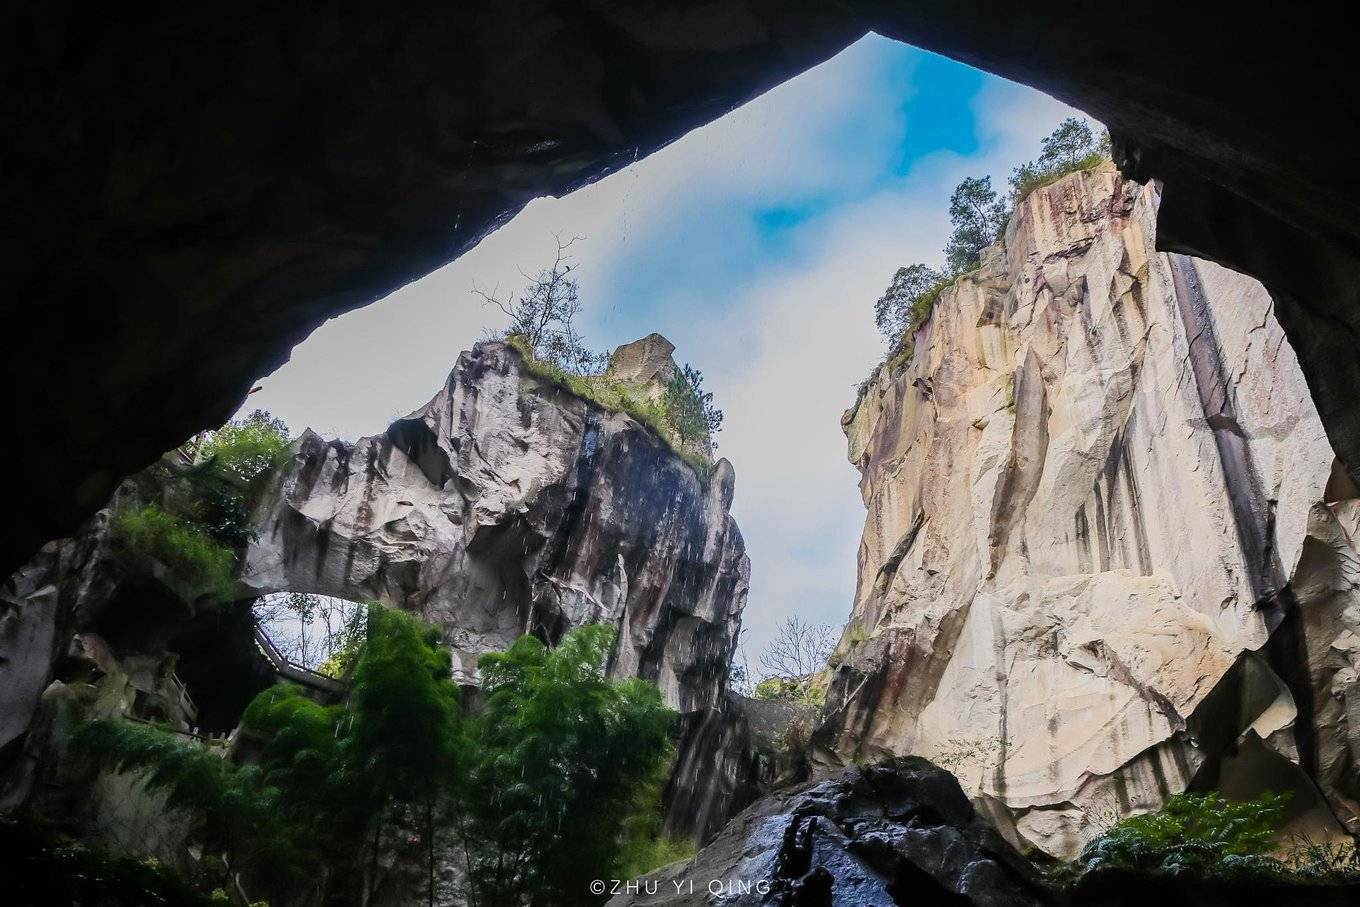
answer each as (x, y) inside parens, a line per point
(899, 832)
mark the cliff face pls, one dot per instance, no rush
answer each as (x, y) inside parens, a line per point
(507, 505)
(1107, 554)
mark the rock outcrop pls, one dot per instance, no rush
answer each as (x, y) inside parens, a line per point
(900, 832)
(1109, 553)
(734, 754)
(509, 505)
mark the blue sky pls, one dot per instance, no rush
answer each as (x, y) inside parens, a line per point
(757, 244)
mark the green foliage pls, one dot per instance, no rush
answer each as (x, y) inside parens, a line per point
(247, 448)
(40, 866)
(1069, 148)
(648, 854)
(230, 460)
(773, 688)
(1324, 862)
(301, 759)
(1200, 833)
(611, 395)
(185, 549)
(690, 409)
(979, 217)
(644, 845)
(403, 709)
(800, 690)
(560, 753)
(554, 782)
(239, 814)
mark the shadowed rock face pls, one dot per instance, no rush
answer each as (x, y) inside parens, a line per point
(507, 505)
(189, 192)
(1109, 554)
(901, 832)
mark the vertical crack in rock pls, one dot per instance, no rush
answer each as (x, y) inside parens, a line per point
(1020, 479)
(1253, 512)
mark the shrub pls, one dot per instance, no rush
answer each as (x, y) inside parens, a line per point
(1067, 149)
(247, 448)
(644, 856)
(1327, 862)
(187, 551)
(237, 812)
(1201, 833)
(1027, 177)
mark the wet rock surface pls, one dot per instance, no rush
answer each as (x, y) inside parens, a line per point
(1106, 554)
(899, 832)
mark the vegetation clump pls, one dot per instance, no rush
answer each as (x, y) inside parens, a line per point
(1067, 149)
(559, 753)
(193, 517)
(1204, 834)
(185, 548)
(1213, 838)
(793, 662)
(43, 866)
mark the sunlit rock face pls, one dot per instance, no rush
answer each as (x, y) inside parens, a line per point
(508, 505)
(1105, 557)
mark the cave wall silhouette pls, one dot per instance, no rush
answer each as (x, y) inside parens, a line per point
(190, 190)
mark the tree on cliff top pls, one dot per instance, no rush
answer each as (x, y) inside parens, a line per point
(798, 651)
(900, 308)
(691, 409)
(544, 316)
(1067, 149)
(979, 216)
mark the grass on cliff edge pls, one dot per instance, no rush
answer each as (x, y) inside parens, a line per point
(186, 550)
(610, 395)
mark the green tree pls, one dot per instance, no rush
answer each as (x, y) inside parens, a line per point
(246, 448)
(1068, 148)
(562, 751)
(239, 814)
(544, 316)
(979, 217)
(554, 782)
(1066, 145)
(901, 309)
(403, 725)
(690, 409)
(221, 483)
